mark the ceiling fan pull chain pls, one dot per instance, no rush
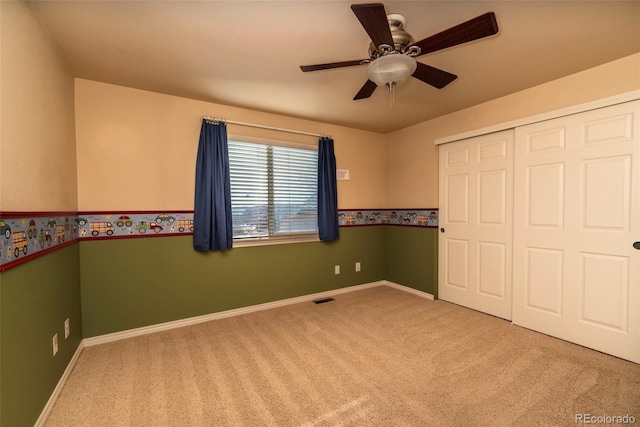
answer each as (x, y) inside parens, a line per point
(391, 96)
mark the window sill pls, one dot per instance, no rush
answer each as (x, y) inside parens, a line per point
(243, 243)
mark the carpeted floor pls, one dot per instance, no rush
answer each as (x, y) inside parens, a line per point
(377, 357)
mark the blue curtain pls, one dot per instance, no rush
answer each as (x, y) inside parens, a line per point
(327, 191)
(212, 229)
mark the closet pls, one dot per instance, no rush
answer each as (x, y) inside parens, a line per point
(538, 225)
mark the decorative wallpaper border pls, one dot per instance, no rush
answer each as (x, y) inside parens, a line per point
(28, 235)
(107, 225)
(405, 217)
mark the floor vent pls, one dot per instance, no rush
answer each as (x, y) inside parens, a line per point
(323, 300)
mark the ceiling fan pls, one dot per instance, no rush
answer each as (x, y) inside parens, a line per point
(392, 51)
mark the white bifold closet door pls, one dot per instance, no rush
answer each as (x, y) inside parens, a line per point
(576, 274)
(476, 206)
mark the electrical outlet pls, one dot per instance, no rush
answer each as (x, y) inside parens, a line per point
(357, 266)
(67, 331)
(337, 268)
(55, 344)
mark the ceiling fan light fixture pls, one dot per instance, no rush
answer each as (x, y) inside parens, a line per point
(391, 70)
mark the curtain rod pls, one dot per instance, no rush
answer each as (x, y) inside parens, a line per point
(233, 122)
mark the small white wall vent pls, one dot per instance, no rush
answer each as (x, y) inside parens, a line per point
(342, 174)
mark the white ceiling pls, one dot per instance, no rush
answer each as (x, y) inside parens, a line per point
(248, 53)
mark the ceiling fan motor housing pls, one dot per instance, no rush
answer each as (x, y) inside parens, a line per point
(401, 39)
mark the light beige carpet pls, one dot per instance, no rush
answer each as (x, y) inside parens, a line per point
(377, 357)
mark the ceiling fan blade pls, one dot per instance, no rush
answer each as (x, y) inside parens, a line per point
(316, 67)
(374, 20)
(433, 76)
(476, 28)
(366, 91)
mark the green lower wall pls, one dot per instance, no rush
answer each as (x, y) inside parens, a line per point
(130, 283)
(411, 255)
(35, 300)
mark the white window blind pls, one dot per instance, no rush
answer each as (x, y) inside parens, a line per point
(273, 191)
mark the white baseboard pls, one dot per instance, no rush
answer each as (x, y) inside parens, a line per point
(129, 333)
(101, 339)
(42, 419)
(408, 289)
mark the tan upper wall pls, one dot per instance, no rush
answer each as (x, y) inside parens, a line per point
(136, 149)
(37, 133)
(412, 158)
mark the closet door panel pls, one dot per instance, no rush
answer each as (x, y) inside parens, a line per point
(475, 249)
(576, 216)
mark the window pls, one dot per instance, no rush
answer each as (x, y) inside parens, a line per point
(274, 192)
